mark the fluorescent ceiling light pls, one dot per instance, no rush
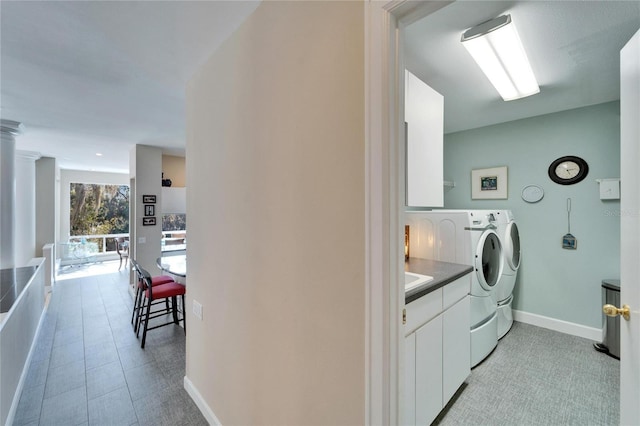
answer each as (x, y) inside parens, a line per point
(496, 47)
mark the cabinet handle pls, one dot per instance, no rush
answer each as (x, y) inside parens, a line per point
(404, 316)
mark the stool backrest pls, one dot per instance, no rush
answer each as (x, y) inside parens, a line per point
(145, 279)
(134, 264)
(136, 268)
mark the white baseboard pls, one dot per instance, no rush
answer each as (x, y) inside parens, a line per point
(206, 411)
(566, 327)
(25, 369)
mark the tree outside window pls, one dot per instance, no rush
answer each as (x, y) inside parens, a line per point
(99, 209)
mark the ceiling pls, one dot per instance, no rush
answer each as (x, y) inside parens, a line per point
(102, 76)
(573, 47)
(87, 77)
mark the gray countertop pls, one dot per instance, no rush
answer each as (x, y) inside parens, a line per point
(443, 273)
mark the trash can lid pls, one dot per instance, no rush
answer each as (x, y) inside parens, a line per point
(611, 284)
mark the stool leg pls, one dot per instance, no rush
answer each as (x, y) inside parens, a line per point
(184, 316)
(175, 310)
(139, 310)
(146, 324)
(135, 304)
(139, 319)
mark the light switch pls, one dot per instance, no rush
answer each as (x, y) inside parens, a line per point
(142, 240)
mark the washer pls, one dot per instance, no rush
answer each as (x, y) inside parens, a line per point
(469, 238)
(510, 238)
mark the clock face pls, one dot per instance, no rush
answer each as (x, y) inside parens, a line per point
(568, 170)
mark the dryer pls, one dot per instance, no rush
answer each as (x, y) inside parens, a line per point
(510, 238)
(469, 238)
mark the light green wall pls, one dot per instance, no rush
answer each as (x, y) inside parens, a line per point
(552, 281)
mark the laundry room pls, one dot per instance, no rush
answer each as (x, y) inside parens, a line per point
(551, 158)
(553, 283)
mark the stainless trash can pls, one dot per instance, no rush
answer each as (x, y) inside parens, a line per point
(611, 325)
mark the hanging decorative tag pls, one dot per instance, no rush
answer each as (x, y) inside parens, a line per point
(569, 242)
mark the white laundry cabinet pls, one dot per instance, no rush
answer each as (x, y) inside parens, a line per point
(437, 350)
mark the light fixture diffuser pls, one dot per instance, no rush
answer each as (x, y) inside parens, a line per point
(497, 49)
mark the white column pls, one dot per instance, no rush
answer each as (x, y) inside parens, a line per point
(25, 207)
(8, 130)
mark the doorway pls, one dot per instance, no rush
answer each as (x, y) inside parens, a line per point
(409, 19)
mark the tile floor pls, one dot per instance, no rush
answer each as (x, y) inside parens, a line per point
(88, 367)
(539, 377)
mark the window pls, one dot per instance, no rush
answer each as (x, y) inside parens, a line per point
(174, 222)
(98, 210)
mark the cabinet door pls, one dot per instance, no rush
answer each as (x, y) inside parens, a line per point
(410, 380)
(456, 347)
(456, 291)
(428, 375)
(424, 115)
(174, 200)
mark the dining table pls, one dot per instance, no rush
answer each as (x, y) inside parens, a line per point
(174, 265)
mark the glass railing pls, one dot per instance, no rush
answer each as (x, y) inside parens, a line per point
(87, 247)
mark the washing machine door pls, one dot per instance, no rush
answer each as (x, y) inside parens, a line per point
(489, 260)
(512, 246)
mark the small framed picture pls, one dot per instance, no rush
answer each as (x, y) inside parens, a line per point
(489, 184)
(146, 221)
(149, 199)
(149, 210)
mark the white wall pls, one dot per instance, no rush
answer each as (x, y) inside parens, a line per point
(74, 176)
(46, 208)
(275, 200)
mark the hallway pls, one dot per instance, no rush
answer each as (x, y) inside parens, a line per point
(88, 367)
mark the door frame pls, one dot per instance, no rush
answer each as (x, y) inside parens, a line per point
(384, 203)
(630, 229)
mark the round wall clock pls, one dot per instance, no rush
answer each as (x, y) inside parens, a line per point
(568, 170)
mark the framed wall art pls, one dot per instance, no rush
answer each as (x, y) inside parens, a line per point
(146, 221)
(149, 199)
(149, 209)
(489, 184)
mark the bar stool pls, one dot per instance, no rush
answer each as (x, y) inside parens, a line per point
(137, 302)
(158, 293)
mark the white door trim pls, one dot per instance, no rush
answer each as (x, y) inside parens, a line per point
(379, 344)
(630, 230)
(384, 203)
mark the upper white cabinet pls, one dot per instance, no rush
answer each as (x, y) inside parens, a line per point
(174, 200)
(424, 115)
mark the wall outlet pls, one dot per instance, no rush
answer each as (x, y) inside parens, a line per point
(197, 309)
